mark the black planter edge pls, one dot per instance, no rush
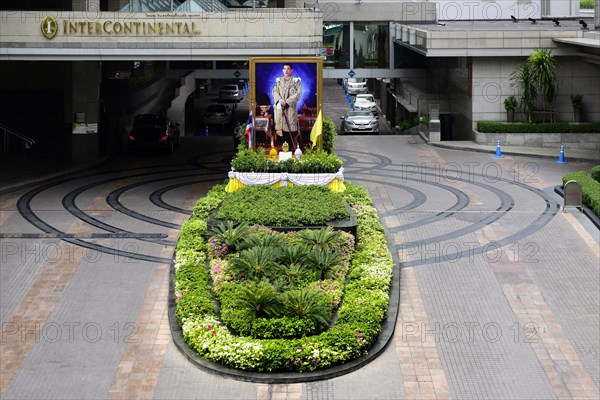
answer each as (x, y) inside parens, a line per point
(381, 343)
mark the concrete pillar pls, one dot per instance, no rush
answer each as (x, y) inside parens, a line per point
(85, 96)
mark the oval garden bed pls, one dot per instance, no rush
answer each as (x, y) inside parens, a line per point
(252, 299)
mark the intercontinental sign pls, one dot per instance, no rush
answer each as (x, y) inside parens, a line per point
(51, 27)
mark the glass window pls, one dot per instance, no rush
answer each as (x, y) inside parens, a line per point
(371, 49)
(336, 45)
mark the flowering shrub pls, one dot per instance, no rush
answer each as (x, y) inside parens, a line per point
(361, 294)
(318, 161)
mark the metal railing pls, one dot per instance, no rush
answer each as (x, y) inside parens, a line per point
(8, 142)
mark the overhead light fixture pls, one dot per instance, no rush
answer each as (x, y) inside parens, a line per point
(556, 22)
(583, 25)
(514, 19)
(532, 20)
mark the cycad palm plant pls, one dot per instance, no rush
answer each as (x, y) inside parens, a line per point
(320, 239)
(322, 261)
(294, 274)
(307, 304)
(254, 263)
(273, 240)
(229, 234)
(259, 298)
(292, 254)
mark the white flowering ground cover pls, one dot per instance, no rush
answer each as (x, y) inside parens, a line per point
(362, 308)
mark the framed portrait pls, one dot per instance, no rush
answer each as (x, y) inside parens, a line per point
(272, 126)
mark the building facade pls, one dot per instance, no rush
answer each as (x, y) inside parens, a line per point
(96, 63)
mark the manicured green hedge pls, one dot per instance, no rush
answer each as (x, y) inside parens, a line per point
(590, 189)
(283, 206)
(363, 307)
(545, 127)
(586, 4)
(596, 173)
(587, 127)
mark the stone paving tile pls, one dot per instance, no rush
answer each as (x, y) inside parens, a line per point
(422, 373)
(138, 371)
(21, 332)
(564, 369)
(179, 380)
(440, 300)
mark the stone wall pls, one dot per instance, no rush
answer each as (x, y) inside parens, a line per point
(573, 141)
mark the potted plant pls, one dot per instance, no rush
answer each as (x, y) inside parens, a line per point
(577, 102)
(510, 103)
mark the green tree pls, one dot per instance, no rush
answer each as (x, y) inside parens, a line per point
(522, 80)
(542, 66)
(537, 75)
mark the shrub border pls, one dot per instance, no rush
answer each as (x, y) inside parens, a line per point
(380, 344)
(585, 182)
(558, 189)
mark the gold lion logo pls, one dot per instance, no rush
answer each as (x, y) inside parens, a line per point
(49, 27)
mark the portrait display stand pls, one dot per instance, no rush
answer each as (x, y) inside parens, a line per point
(264, 73)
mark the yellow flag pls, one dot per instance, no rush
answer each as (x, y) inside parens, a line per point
(316, 130)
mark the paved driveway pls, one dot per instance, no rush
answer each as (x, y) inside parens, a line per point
(499, 293)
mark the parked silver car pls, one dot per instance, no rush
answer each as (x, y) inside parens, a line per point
(365, 102)
(356, 85)
(360, 122)
(230, 93)
(217, 114)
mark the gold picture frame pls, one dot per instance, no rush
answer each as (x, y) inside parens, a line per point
(262, 76)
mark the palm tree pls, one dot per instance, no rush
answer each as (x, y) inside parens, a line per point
(521, 78)
(542, 66)
(536, 75)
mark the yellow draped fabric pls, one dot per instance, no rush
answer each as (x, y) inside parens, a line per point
(233, 185)
(336, 186)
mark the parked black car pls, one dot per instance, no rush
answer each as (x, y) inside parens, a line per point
(153, 132)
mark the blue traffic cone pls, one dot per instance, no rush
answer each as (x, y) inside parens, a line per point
(206, 131)
(498, 151)
(561, 156)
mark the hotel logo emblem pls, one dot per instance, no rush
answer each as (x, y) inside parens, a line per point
(49, 27)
